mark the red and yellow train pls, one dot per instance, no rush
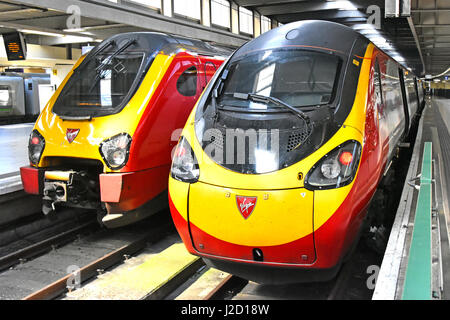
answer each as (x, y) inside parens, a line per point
(104, 139)
(279, 160)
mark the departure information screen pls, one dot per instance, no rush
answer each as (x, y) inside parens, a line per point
(15, 46)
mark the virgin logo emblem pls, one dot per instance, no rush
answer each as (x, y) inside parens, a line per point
(71, 134)
(246, 205)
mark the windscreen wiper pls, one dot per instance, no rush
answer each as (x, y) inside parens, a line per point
(110, 43)
(105, 62)
(260, 98)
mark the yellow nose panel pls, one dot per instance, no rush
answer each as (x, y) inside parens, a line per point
(277, 216)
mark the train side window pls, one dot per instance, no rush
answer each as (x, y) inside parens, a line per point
(187, 82)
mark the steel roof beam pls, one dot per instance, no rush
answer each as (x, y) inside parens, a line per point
(430, 10)
(19, 11)
(431, 25)
(254, 3)
(319, 15)
(304, 6)
(416, 40)
(145, 19)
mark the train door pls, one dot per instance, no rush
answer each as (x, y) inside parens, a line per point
(393, 105)
(189, 85)
(405, 99)
(380, 127)
(174, 99)
(419, 93)
(383, 124)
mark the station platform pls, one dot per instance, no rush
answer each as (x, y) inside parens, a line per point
(13, 155)
(418, 252)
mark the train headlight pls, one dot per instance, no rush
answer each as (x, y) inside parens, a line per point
(36, 146)
(330, 169)
(336, 169)
(115, 150)
(184, 165)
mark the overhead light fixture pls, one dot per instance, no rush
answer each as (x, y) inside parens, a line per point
(79, 30)
(345, 5)
(79, 39)
(74, 30)
(363, 26)
(43, 33)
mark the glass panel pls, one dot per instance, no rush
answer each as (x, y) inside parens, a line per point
(245, 20)
(102, 83)
(377, 82)
(299, 78)
(187, 82)
(220, 13)
(265, 24)
(188, 8)
(149, 3)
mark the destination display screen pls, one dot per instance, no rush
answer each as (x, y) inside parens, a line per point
(15, 46)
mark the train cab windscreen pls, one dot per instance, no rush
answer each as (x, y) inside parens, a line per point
(265, 107)
(105, 81)
(298, 78)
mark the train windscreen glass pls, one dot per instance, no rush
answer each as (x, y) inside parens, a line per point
(103, 84)
(297, 77)
(270, 109)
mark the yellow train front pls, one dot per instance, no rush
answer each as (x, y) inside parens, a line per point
(278, 162)
(105, 138)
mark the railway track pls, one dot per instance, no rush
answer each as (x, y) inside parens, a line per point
(166, 271)
(45, 274)
(34, 234)
(349, 284)
(150, 262)
(72, 258)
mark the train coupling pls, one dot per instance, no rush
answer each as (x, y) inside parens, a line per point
(70, 188)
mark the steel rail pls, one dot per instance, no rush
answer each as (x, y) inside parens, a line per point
(44, 245)
(229, 283)
(60, 286)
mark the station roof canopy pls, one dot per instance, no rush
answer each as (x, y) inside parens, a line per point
(418, 37)
(47, 22)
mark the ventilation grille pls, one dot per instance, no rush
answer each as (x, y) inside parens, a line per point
(296, 138)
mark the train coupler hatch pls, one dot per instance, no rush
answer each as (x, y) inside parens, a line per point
(70, 188)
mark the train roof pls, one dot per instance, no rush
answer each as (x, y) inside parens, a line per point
(309, 33)
(167, 43)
